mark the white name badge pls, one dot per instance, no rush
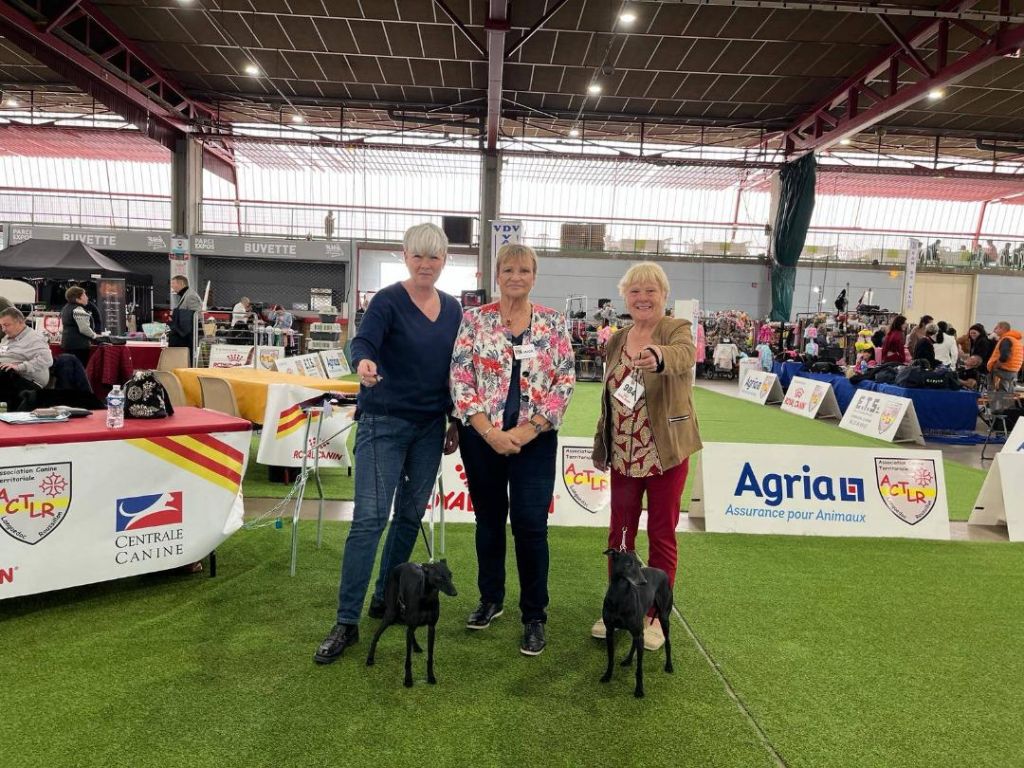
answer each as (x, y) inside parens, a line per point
(631, 390)
(524, 351)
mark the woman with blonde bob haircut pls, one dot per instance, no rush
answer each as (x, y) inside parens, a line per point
(512, 376)
(648, 426)
(401, 353)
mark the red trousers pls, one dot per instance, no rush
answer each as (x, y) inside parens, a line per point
(664, 494)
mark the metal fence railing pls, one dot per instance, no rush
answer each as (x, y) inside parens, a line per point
(551, 233)
(748, 241)
(78, 210)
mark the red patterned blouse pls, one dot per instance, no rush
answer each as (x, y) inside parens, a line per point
(634, 453)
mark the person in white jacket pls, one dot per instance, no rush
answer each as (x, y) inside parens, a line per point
(947, 352)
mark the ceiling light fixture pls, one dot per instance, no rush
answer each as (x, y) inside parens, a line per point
(252, 70)
(574, 132)
(298, 119)
(845, 142)
(594, 88)
(627, 17)
(12, 102)
(936, 94)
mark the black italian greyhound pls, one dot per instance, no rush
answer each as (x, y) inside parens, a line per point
(632, 591)
(411, 598)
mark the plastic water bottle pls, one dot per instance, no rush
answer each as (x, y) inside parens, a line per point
(3, 407)
(115, 408)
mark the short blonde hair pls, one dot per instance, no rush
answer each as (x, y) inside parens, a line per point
(515, 251)
(644, 272)
(426, 240)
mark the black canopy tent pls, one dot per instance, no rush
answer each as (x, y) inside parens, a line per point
(52, 265)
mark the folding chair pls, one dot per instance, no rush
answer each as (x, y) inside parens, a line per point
(1000, 406)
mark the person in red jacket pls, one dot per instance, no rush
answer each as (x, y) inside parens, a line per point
(895, 342)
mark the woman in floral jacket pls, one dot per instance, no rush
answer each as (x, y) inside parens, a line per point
(512, 376)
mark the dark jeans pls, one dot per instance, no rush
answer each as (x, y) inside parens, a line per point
(395, 460)
(517, 487)
(12, 386)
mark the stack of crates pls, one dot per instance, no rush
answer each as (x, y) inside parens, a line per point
(324, 336)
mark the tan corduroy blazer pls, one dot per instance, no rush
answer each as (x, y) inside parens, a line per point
(669, 395)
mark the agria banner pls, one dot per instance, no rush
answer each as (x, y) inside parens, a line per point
(823, 491)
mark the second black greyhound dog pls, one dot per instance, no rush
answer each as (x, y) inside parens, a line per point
(632, 592)
(411, 599)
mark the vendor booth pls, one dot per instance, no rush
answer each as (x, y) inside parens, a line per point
(54, 265)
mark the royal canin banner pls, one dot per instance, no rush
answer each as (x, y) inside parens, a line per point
(822, 491)
(284, 427)
(63, 523)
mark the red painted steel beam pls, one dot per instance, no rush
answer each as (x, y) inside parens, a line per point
(887, 61)
(87, 74)
(189, 107)
(60, 17)
(147, 108)
(1004, 41)
(497, 27)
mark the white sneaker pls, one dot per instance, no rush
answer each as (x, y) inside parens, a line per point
(598, 630)
(654, 638)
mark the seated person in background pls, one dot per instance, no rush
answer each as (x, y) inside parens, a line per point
(282, 318)
(25, 357)
(240, 313)
(925, 349)
(979, 350)
(76, 322)
(947, 352)
(991, 253)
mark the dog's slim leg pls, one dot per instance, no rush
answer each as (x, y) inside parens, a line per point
(409, 640)
(664, 619)
(373, 643)
(639, 692)
(609, 640)
(430, 654)
(632, 649)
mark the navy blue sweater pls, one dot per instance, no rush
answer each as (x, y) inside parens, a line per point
(413, 355)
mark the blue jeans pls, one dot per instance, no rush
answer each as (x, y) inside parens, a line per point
(395, 459)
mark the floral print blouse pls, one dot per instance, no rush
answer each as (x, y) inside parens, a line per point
(482, 366)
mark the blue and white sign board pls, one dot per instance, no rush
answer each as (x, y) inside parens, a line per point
(883, 417)
(503, 232)
(822, 491)
(812, 399)
(1001, 500)
(761, 387)
(334, 363)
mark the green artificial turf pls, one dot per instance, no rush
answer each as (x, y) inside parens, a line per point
(176, 670)
(856, 652)
(722, 419)
(849, 653)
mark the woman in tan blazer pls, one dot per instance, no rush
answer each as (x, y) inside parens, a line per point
(648, 426)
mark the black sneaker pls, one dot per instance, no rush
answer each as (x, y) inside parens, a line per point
(533, 639)
(376, 610)
(484, 614)
(340, 638)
